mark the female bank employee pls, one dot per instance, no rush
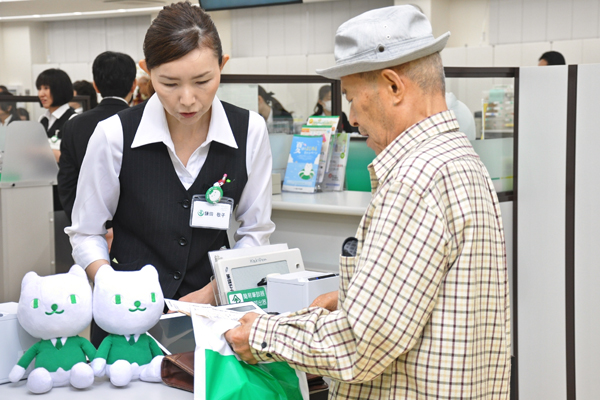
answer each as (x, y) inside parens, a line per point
(150, 160)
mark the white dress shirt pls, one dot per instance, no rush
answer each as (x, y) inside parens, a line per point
(53, 116)
(6, 121)
(99, 187)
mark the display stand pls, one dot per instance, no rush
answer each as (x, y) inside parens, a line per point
(26, 210)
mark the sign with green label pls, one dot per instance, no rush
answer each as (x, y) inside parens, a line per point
(257, 295)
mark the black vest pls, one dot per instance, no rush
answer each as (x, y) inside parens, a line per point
(58, 124)
(152, 221)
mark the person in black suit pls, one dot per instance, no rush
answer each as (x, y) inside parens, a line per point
(114, 77)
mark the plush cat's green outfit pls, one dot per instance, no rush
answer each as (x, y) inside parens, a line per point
(116, 347)
(52, 357)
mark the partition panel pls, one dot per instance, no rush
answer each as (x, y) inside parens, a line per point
(541, 233)
(587, 234)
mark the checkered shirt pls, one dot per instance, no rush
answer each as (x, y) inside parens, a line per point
(423, 309)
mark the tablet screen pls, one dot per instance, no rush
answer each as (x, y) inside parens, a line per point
(174, 332)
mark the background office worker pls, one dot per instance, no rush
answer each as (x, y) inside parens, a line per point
(272, 110)
(114, 77)
(149, 160)
(423, 308)
(84, 88)
(8, 109)
(323, 107)
(551, 58)
(55, 90)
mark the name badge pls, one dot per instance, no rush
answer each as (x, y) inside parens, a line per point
(210, 216)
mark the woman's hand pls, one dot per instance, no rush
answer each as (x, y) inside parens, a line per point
(109, 238)
(206, 295)
(327, 300)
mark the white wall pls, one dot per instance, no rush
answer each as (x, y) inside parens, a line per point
(80, 41)
(222, 20)
(523, 21)
(19, 41)
(3, 58)
(587, 219)
(297, 29)
(541, 227)
(516, 32)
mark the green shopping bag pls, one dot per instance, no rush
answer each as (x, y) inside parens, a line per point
(220, 375)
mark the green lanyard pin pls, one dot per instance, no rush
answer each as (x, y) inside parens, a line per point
(214, 194)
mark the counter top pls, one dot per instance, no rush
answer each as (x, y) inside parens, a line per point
(340, 203)
(103, 390)
(100, 390)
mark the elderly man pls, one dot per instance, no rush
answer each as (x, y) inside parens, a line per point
(423, 308)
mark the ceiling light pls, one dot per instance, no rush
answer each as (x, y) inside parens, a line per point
(80, 14)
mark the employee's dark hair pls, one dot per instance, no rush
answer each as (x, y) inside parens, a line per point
(177, 30)
(322, 93)
(59, 83)
(114, 73)
(3, 89)
(21, 112)
(8, 106)
(553, 58)
(271, 101)
(85, 88)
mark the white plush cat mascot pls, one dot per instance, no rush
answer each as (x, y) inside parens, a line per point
(126, 305)
(56, 308)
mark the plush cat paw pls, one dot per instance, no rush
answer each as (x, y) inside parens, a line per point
(99, 366)
(120, 373)
(16, 373)
(39, 381)
(151, 372)
(82, 376)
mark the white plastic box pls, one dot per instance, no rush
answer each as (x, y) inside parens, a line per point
(15, 340)
(297, 290)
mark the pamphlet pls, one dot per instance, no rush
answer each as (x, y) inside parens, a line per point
(336, 169)
(303, 164)
(324, 120)
(325, 132)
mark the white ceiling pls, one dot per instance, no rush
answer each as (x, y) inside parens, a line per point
(46, 10)
(52, 7)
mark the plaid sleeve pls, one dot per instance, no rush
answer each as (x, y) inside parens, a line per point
(389, 300)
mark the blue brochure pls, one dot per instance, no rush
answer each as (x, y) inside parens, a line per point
(303, 164)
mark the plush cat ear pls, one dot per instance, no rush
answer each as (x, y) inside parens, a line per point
(149, 271)
(102, 271)
(78, 271)
(28, 278)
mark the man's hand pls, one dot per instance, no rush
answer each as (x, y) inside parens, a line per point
(239, 338)
(202, 296)
(327, 300)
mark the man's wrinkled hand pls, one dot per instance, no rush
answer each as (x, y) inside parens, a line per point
(326, 300)
(239, 338)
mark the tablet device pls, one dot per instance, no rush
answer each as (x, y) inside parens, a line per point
(174, 332)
